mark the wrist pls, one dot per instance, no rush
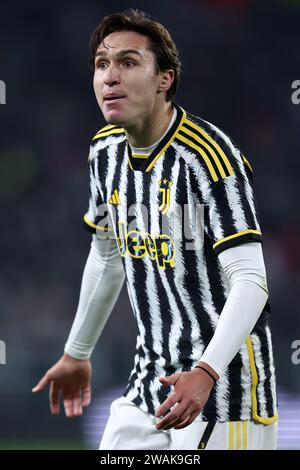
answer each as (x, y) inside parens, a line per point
(209, 370)
(67, 357)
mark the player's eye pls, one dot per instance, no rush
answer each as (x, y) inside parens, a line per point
(101, 64)
(129, 63)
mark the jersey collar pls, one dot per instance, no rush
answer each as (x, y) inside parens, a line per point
(146, 164)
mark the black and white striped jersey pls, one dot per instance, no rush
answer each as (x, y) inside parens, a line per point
(172, 213)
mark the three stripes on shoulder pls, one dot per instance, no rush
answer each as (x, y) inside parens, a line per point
(106, 131)
(198, 139)
(110, 129)
(213, 155)
(210, 151)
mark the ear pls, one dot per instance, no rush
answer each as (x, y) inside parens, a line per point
(166, 80)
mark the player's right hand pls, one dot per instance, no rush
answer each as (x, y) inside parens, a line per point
(72, 377)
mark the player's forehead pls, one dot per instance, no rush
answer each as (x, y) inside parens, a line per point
(121, 41)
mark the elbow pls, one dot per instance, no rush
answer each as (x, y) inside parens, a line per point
(251, 278)
(261, 282)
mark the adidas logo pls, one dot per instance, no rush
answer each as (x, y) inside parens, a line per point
(114, 199)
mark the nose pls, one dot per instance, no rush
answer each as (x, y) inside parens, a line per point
(112, 76)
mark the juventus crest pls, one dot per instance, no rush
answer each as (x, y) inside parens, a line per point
(165, 189)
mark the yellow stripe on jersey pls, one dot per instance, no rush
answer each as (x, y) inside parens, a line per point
(231, 435)
(208, 147)
(128, 158)
(140, 155)
(169, 141)
(238, 435)
(245, 435)
(105, 128)
(247, 163)
(117, 196)
(254, 376)
(202, 153)
(235, 235)
(214, 144)
(97, 227)
(109, 132)
(114, 199)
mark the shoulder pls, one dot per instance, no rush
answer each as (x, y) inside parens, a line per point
(209, 130)
(107, 131)
(211, 147)
(106, 136)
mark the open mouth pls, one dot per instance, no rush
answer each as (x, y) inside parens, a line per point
(113, 98)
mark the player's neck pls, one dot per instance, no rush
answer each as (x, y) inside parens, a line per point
(150, 130)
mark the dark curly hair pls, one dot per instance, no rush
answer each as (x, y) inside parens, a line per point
(161, 42)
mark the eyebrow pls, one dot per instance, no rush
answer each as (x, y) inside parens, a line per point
(120, 53)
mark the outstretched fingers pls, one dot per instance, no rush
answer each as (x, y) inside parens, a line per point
(86, 396)
(73, 404)
(69, 408)
(187, 421)
(54, 398)
(77, 405)
(43, 383)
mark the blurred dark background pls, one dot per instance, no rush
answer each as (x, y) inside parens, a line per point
(239, 58)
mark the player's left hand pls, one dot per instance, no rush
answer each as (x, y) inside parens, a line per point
(191, 392)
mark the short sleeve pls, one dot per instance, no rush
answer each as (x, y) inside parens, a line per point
(230, 209)
(96, 219)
